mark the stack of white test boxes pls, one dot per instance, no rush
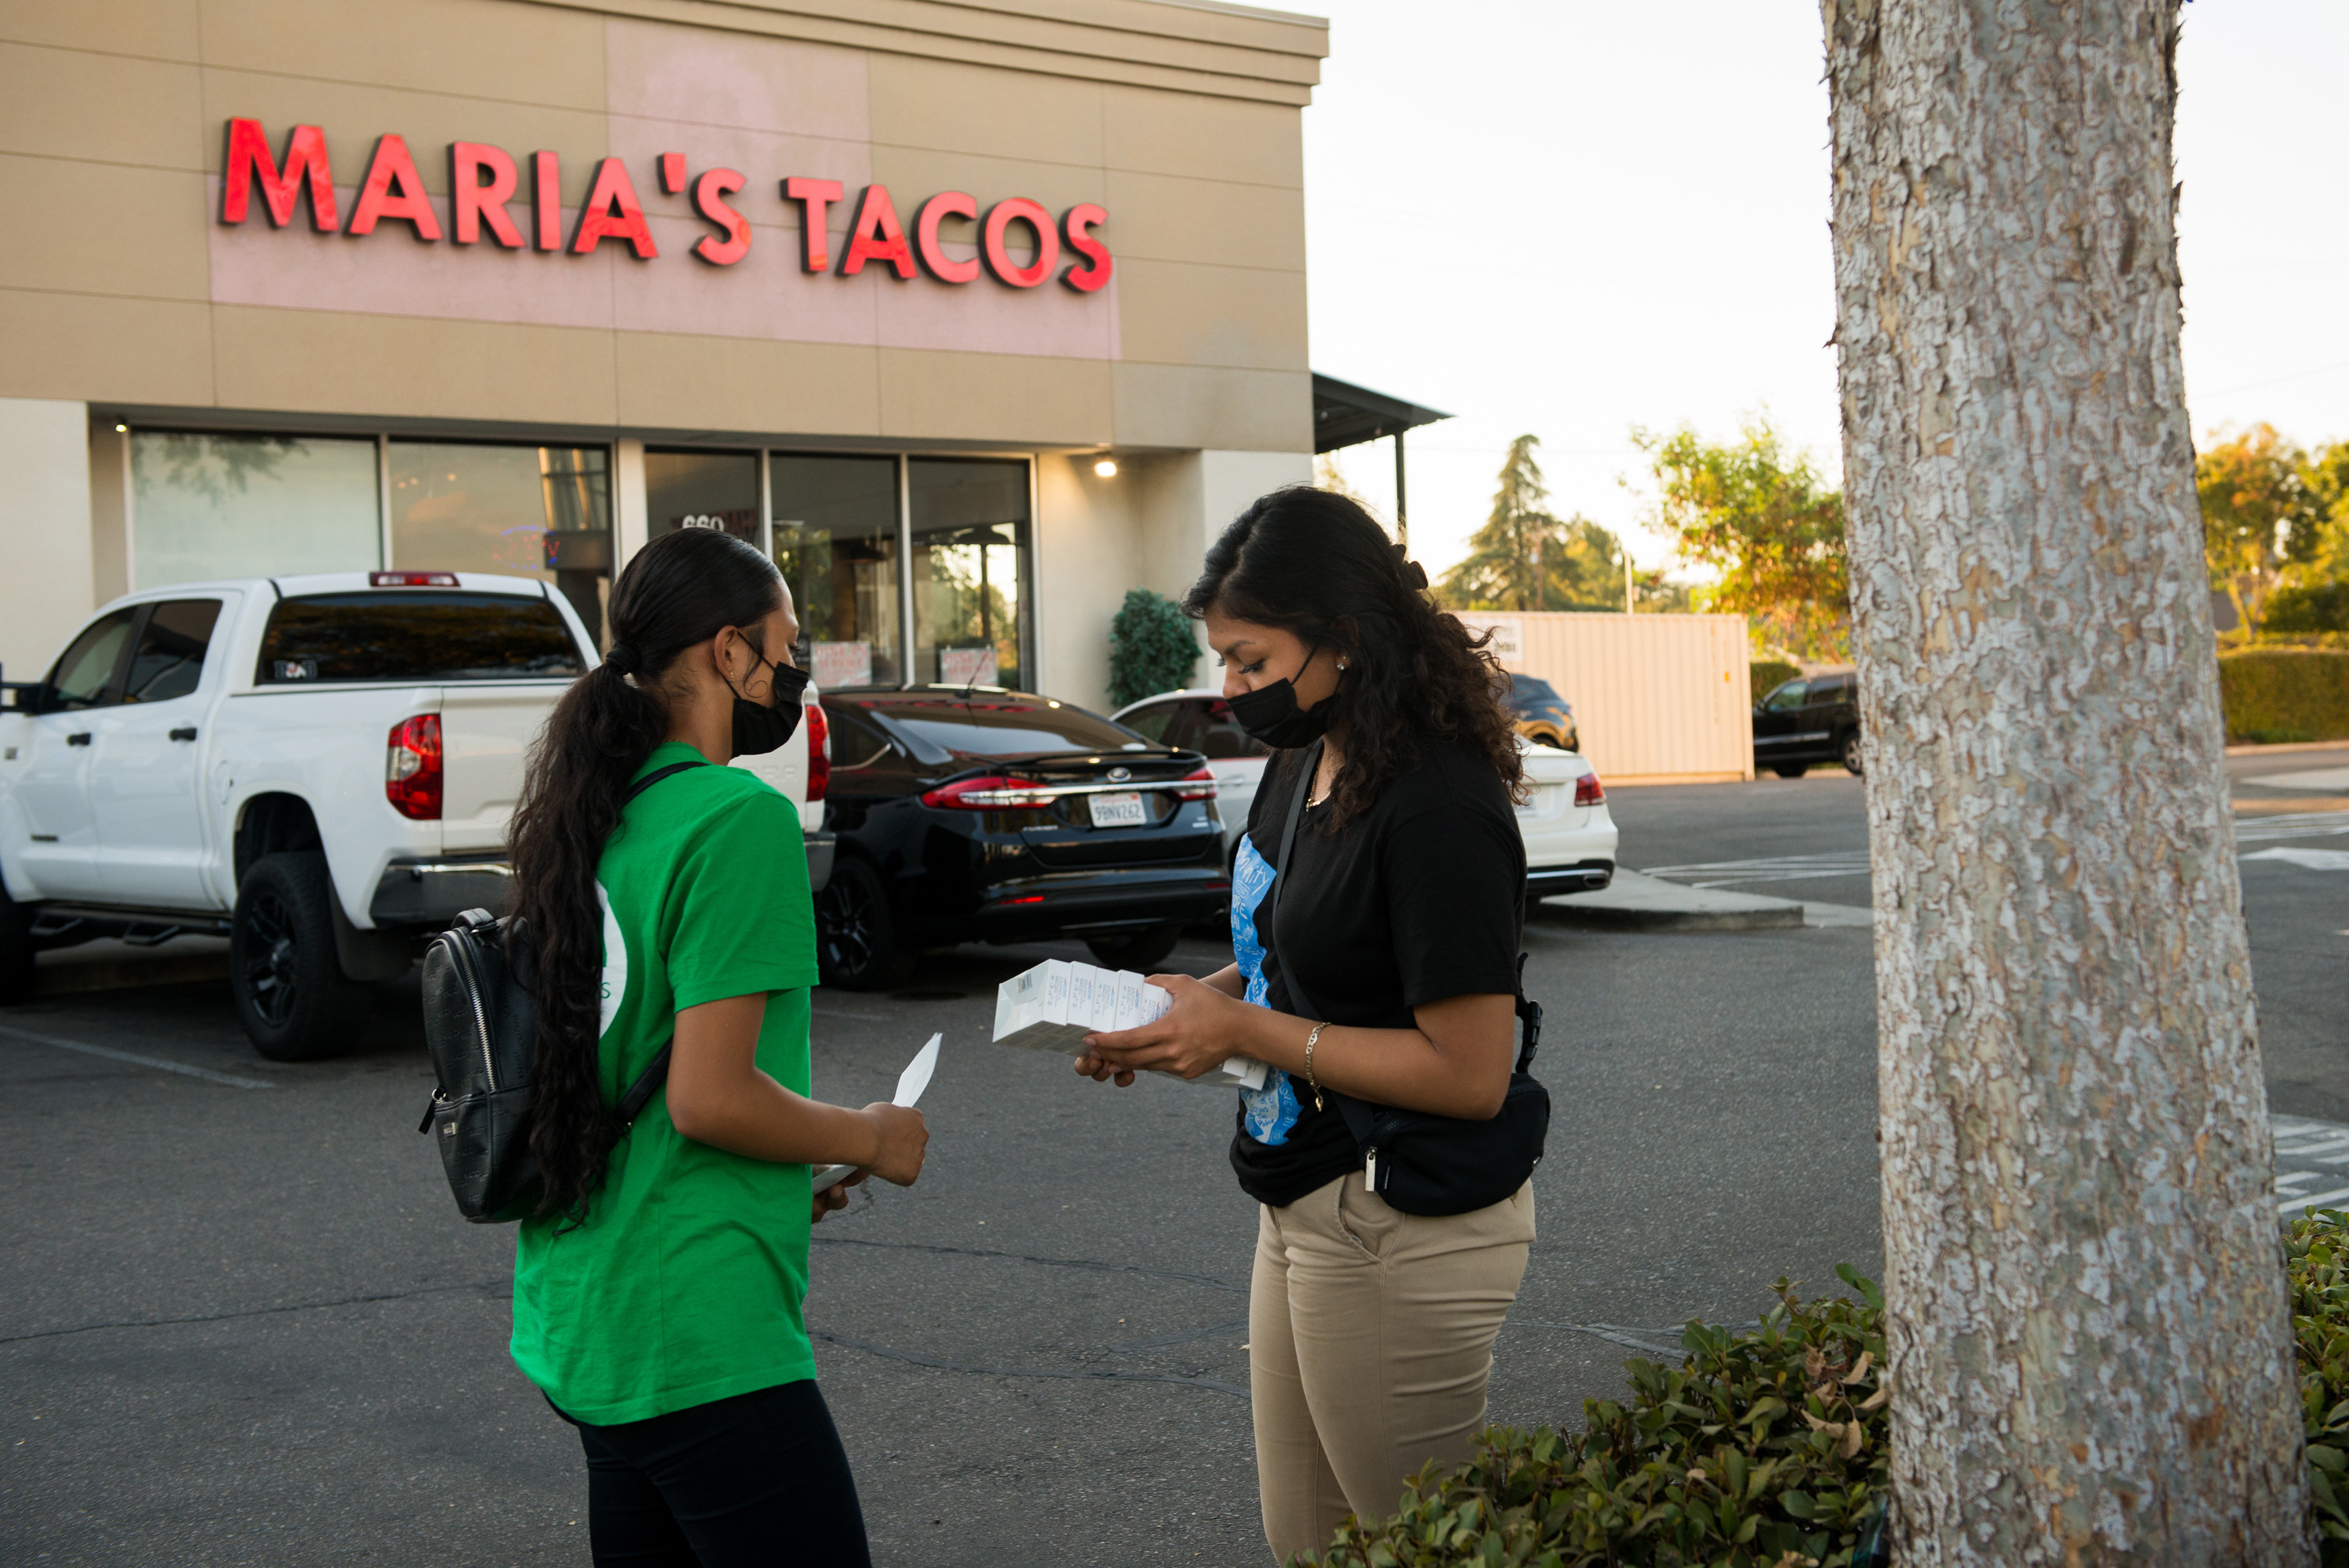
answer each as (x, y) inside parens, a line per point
(1055, 1006)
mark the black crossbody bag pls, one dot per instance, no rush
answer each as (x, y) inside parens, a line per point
(481, 1026)
(1419, 1162)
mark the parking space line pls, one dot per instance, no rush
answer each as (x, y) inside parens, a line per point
(134, 1059)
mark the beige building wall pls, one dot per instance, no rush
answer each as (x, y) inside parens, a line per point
(123, 298)
(1658, 699)
(1181, 120)
(45, 589)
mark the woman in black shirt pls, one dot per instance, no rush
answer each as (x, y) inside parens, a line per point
(1389, 975)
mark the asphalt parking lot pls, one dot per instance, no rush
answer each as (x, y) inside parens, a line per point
(245, 1325)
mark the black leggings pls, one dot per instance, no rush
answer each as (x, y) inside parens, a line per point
(758, 1481)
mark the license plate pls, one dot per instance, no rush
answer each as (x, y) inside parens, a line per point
(1123, 810)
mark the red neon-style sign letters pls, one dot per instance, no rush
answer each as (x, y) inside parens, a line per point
(472, 203)
(484, 182)
(306, 163)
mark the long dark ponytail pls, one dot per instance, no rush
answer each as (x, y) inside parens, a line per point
(1313, 562)
(681, 589)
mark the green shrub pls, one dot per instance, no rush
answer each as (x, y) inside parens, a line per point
(1774, 1442)
(1768, 674)
(2275, 694)
(2316, 1264)
(2319, 607)
(1150, 647)
(1759, 1445)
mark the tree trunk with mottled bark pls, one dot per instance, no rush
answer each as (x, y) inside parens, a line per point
(2090, 1349)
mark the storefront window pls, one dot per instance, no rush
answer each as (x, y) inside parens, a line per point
(970, 546)
(250, 505)
(541, 511)
(836, 542)
(702, 490)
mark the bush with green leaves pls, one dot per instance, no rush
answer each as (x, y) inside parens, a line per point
(1767, 1449)
(1151, 648)
(2309, 607)
(1760, 1448)
(1769, 674)
(2317, 1265)
(2277, 694)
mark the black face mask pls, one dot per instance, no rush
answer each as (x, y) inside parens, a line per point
(1270, 713)
(760, 728)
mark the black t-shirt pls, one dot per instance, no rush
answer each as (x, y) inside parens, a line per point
(1417, 899)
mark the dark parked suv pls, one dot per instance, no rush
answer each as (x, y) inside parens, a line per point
(1806, 721)
(972, 813)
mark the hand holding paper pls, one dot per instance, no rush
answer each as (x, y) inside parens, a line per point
(910, 1085)
(1056, 1005)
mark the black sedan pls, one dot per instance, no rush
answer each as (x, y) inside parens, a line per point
(971, 813)
(1806, 721)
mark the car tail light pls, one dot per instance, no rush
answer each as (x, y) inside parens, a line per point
(1588, 792)
(412, 579)
(988, 794)
(411, 768)
(819, 733)
(1197, 784)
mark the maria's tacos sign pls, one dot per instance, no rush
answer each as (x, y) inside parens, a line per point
(1017, 241)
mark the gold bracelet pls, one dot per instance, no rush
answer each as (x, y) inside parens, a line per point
(1310, 1039)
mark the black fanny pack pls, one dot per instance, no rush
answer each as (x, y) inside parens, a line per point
(1419, 1162)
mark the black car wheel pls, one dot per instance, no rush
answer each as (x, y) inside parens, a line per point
(1790, 770)
(291, 993)
(1851, 753)
(16, 949)
(1137, 949)
(856, 945)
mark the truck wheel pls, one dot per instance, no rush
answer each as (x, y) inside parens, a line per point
(1851, 754)
(1137, 949)
(16, 949)
(291, 993)
(856, 945)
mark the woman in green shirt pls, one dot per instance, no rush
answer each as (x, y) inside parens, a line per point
(658, 1289)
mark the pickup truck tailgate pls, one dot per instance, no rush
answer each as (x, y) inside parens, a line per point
(486, 730)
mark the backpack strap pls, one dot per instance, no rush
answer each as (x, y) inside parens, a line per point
(648, 1082)
(654, 777)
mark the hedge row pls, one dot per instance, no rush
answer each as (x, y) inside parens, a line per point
(2320, 606)
(1768, 1448)
(2276, 694)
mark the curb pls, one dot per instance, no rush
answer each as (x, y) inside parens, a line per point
(1557, 911)
(1636, 902)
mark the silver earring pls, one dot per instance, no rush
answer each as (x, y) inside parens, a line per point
(1342, 664)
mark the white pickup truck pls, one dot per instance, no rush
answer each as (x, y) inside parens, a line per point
(320, 768)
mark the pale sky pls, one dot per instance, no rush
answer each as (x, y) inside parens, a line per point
(1570, 218)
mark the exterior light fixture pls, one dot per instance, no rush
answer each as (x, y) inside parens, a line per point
(122, 429)
(1106, 469)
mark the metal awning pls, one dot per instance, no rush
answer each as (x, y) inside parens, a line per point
(1348, 415)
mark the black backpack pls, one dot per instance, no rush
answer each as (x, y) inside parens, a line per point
(480, 1026)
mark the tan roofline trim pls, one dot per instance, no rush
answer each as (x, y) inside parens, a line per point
(1181, 45)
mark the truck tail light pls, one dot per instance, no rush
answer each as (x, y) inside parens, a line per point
(819, 753)
(988, 794)
(411, 768)
(1197, 784)
(1588, 792)
(412, 579)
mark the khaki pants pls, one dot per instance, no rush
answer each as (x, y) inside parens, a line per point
(1370, 1341)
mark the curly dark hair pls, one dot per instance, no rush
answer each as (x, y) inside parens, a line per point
(681, 589)
(1314, 563)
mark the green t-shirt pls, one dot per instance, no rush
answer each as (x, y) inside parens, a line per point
(684, 1284)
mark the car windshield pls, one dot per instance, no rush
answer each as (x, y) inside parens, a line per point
(1001, 727)
(409, 636)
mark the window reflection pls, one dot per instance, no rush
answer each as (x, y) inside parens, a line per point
(250, 505)
(702, 490)
(970, 543)
(836, 541)
(538, 512)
